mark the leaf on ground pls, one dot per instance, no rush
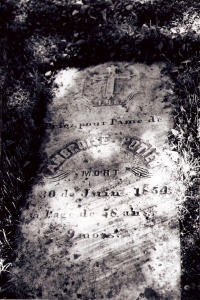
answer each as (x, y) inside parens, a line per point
(186, 61)
(81, 42)
(83, 9)
(174, 70)
(75, 12)
(145, 29)
(104, 15)
(175, 132)
(173, 30)
(48, 74)
(160, 46)
(129, 7)
(26, 163)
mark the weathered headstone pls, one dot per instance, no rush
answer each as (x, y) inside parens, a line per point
(102, 219)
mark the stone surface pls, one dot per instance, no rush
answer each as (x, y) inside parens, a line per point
(101, 221)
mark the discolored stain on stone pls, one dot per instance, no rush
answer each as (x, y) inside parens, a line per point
(150, 294)
(102, 220)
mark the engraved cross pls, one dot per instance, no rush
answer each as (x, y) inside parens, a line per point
(111, 77)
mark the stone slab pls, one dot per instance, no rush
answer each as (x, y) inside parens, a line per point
(101, 221)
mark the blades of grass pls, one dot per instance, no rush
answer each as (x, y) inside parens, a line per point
(5, 238)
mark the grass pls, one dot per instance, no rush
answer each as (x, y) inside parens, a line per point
(186, 142)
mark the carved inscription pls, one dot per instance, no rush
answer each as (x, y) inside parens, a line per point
(112, 122)
(73, 148)
(99, 173)
(101, 220)
(135, 145)
(144, 190)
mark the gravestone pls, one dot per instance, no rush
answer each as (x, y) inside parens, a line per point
(101, 221)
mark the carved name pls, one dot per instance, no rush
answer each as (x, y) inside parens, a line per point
(135, 145)
(71, 149)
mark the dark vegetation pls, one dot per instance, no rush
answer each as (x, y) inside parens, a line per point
(40, 37)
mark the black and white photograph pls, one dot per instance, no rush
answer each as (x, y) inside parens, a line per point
(100, 143)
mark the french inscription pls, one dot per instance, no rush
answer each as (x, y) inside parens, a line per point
(106, 212)
(112, 122)
(73, 148)
(145, 189)
(104, 173)
(105, 202)
(136, 145)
